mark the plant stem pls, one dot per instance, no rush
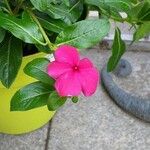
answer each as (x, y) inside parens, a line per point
(50, 45)
(8, 6)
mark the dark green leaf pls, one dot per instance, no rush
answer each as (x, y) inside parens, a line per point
(74, 99)
(37, 68)
(31, 96)
(41, 4)
(55, 101)
(142, 31)
(52, 24)
(118, 49)
(59, 10)
(10, 60)
(24, 29)
(2, 34)
(85, 33)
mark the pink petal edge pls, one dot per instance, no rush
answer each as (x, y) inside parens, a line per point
(89, 80)
(67, 54)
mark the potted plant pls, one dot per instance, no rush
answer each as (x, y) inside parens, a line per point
(53, 27)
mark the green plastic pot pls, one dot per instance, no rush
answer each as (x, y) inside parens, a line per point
(21, 122)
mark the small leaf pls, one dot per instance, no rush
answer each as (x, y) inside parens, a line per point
(10, 60)
(55, 101)
(142, 31)
(118, 49)
(75, 99)
(25, 29)
(37, 68)
(84, 34)
(2, 34)
(31, 96)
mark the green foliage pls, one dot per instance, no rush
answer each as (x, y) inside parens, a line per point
(85, 33)
(68, 11)
(55, 101)
(31, 96)
(142, 31)
(24, 29)
(10, 59)
(37, 69)
(2, 34)
(50, 23)
(118, 49)
(74, 99)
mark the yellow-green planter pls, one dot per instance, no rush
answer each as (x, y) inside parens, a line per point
(21, 122)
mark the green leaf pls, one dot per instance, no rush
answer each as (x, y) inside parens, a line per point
(2, 34)
(140, 12)
(51, 24)
(55, 101)
(142, 31)
(66, 2)
(118, 49)
(24, 29)
(59, 10)
(41, 4)
(85, 33)
(10, 60)
(111, 5)
(75, 99)
(144, 14)
(31, 96)
(37, 68)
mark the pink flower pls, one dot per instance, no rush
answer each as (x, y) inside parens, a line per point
(73, 75)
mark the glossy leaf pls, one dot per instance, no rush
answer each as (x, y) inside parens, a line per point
(37, 69)
(85, 33)
(10, 60)
(24, 29)
(31, 96)
(118, 49)
(55, 101)
(142, 31)
(68, 11)
(2, 34)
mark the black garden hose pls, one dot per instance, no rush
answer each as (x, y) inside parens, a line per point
(137, 106)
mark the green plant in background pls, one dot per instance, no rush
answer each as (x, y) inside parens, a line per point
(48, 24)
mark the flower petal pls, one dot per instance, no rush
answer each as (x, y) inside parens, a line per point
(68, 84)
(67, 54)
(85, 63)
(55, 69)
(89, 79)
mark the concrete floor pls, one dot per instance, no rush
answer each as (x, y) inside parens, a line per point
(94, 123)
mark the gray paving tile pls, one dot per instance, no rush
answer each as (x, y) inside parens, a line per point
(97, 123)
(32, 141)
